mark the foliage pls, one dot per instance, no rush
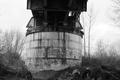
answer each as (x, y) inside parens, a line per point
(11, 44)
(104, 55)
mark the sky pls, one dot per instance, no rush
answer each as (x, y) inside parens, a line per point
(14, 15)
(102, 25)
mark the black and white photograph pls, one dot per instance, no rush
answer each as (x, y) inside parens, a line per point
(59, 39)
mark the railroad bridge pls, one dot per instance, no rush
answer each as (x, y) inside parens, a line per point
(54, 36)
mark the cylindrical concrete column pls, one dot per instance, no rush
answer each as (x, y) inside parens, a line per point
(52, 50)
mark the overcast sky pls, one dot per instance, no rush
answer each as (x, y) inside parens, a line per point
(14, 15)
(103, 27)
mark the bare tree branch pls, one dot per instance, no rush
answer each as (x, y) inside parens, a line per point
(12, 44)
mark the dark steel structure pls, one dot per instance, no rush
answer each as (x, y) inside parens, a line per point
(54, 36)
(56, 15)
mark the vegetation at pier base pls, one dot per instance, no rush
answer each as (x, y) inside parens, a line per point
(103, 65)
(11, 65)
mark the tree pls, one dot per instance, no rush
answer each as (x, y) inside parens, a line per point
(101, 49)
(112, 51)
(13, 41)
(91, 20)
(12, 44)
(88, 19)
(107, 54)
